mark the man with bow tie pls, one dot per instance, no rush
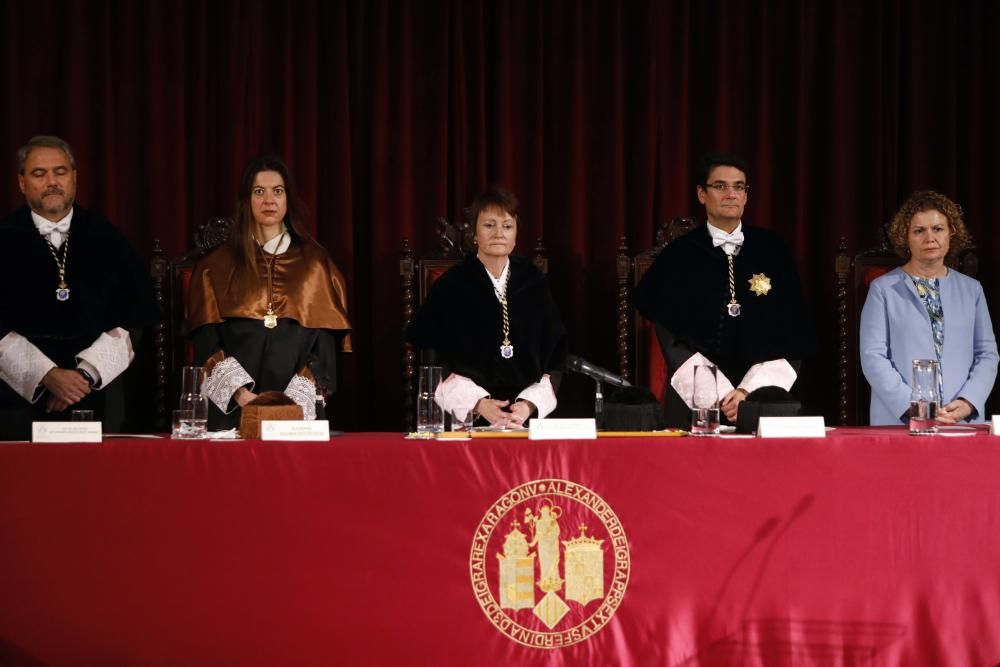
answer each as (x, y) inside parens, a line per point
(728, 292)
(72, 295)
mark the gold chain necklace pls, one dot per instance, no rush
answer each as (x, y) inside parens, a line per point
(506, 349)
(733, 308)
(62, 292)
(270, 319)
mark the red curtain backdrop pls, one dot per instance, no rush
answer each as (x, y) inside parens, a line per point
(391, 113)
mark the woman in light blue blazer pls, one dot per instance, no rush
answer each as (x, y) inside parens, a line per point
(927, 310)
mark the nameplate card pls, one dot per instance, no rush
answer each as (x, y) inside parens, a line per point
(562, 429)
(995, 425)
(66, 432)
(296, 430)
(791, 427)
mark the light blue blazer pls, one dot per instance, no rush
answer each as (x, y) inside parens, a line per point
(895, 330)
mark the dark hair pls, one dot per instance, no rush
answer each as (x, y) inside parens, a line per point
(928, 200)
(710, 161)
(245, 274)
(43, 141)
(492, 197)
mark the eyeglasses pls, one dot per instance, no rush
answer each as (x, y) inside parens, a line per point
(720, 187)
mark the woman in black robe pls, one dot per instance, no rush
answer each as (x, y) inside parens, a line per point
(492, 322)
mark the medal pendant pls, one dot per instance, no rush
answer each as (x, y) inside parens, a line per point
(62, 294)
(270, 320)
(507, 351)
(733, 309)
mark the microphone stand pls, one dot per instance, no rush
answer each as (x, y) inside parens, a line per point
(598, 405)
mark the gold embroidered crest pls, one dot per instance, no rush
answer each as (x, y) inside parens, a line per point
(760, 284)
(536, 588)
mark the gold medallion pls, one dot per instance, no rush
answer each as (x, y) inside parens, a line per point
(760, 284)
(270, 319)
(550, 563)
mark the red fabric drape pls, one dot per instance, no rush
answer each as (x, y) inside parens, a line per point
(594, 113)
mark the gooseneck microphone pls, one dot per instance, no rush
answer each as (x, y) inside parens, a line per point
(575, 363)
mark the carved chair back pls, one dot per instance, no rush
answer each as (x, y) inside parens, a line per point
(171, 279)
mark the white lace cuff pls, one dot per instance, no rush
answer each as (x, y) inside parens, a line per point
(226, 377)
(22, 366)
(777, 373)
(110, 355)
(542, 395)
(303, 391)
(459, 394)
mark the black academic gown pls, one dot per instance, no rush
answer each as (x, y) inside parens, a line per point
(461, 320)
(686, 291)
(108, 286)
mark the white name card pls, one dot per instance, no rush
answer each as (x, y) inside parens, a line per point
(66, 432)
(995, 425)
(295, 430)
(562, 429)
(791, 427)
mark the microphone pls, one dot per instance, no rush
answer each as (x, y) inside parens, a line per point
(575, 363)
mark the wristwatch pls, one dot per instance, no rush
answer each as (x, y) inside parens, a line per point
(86, 376)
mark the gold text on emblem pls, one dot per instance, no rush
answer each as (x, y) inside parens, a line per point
(760, 284)
(543, 585)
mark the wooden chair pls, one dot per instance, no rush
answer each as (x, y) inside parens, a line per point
(171, 278)
(454, 243)
(854, 275)
(639, 358)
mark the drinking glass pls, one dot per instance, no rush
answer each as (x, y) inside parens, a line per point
(461, 420)
(430, 416)
(180, 424)
(193, 401)
(924, 397)
(705, 401)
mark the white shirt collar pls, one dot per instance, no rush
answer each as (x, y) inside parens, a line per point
(499, 284)
(278, 244)
(730, 241)
(53, 231)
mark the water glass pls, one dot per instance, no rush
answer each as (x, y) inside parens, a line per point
(461, 420)
(924, 397)
(705, 401)
(193, 402)
(430, 416)
(180, 424)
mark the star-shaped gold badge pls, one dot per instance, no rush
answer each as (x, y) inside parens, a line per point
(760, 284)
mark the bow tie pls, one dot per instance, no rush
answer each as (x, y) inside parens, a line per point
(54, 231)
(736, 238)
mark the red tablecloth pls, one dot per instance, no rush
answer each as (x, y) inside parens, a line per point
(865, 548)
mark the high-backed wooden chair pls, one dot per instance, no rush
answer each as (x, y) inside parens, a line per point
(854, 275)
(639, 358)
(454, 243)
(171, 278)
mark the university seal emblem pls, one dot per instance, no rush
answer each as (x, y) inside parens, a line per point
(549, 563)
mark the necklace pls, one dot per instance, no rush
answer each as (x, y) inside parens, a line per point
(506, 349)
(62, 292)
(270, 319)
(733, 308)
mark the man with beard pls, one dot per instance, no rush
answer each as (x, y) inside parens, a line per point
(73, 296)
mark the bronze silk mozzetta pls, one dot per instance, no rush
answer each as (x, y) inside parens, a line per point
(307, 287)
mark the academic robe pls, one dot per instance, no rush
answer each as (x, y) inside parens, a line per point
(686, 291)
(462, 321)
(310, 301)
(109, 288)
